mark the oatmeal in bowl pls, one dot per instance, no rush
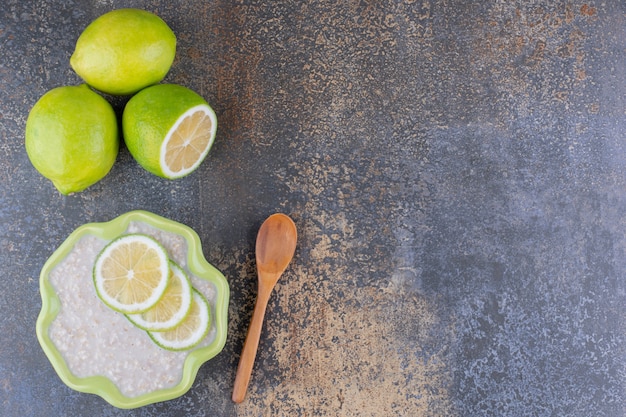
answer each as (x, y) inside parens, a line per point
(99, 350)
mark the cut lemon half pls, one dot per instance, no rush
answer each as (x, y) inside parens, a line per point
(172, 308)
(191, 331)
(169, 129)
(131, 273)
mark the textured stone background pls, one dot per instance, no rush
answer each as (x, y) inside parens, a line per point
(456, 170)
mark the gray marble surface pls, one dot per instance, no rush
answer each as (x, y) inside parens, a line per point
(456, 170)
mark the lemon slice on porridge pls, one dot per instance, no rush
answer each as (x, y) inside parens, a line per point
(191, 331)
(131, 273)
(172, 308)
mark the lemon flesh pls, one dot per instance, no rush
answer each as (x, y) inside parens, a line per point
(169, 129)
(123, 51)
(131, 273)
(71, 137)
(173, 306)
(191, 331)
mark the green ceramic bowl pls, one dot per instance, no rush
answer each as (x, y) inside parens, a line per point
(197, 265)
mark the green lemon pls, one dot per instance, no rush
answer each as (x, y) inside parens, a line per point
(123, 51)
(168, 129)
(72, 137)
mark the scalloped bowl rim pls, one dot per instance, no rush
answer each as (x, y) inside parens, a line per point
(196, 263)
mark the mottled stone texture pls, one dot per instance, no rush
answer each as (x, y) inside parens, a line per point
(456, 169)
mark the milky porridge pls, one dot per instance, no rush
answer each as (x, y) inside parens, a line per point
(95, 340)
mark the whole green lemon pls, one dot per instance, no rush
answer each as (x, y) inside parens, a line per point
(123, 51)
(72, 137)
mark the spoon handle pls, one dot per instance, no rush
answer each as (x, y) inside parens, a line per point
(250, 346)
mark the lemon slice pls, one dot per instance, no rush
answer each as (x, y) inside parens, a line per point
(131, 273)
(169, 129)
(172, 308)
(191, 331)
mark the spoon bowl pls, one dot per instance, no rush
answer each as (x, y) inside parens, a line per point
(275, 246)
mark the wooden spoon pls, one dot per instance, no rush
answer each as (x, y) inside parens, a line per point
(275, 246)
